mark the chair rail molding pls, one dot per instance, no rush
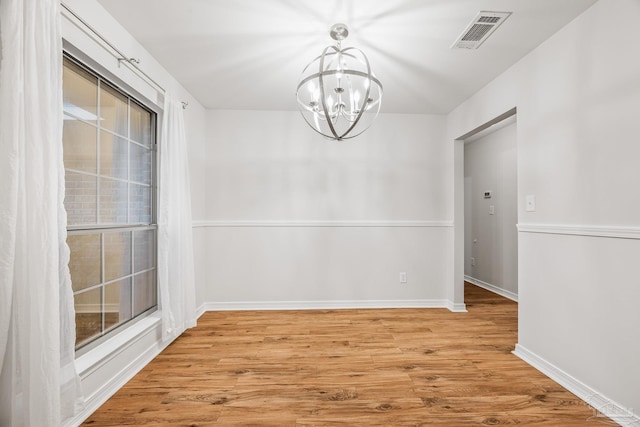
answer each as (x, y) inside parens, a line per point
(320, 223)
(614, 232)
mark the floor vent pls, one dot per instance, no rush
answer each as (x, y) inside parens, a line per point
(482, 26)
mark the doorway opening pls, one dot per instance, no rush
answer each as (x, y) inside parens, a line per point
(486, 208)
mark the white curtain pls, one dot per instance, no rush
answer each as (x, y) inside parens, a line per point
(38, 381)
(175, 241)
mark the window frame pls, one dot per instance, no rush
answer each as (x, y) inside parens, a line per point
(133, 97)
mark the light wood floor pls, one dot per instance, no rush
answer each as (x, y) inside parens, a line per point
(392, 367)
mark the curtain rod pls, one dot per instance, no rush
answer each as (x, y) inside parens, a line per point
(123, 58)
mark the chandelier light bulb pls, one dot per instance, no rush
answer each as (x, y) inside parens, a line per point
(338, 94)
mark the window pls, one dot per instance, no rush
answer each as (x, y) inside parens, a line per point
(109, 159)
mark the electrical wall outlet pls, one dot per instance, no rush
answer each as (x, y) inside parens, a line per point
(473, 262)
(530, 203)
(403, 277)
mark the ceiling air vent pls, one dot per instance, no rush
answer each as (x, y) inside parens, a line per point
(482, 26)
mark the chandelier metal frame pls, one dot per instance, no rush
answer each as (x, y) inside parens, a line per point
(323, 111)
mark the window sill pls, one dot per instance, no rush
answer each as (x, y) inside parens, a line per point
(99, 356)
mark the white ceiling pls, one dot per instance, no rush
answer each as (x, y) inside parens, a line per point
(248, 54)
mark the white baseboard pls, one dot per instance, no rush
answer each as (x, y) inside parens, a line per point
(202, 309)
(599, 403)
(91, 364)
(457, 307)
(327, 305)
(493, 288)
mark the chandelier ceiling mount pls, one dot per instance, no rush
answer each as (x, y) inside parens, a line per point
(339, 32)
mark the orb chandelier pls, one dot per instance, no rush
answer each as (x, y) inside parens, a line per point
(338, 94)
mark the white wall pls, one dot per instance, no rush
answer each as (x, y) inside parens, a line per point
(578, 98)
(110, 365)
(298, 220)
(491, 239)
(269, 165)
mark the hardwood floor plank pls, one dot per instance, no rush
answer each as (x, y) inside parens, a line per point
(386, 367)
